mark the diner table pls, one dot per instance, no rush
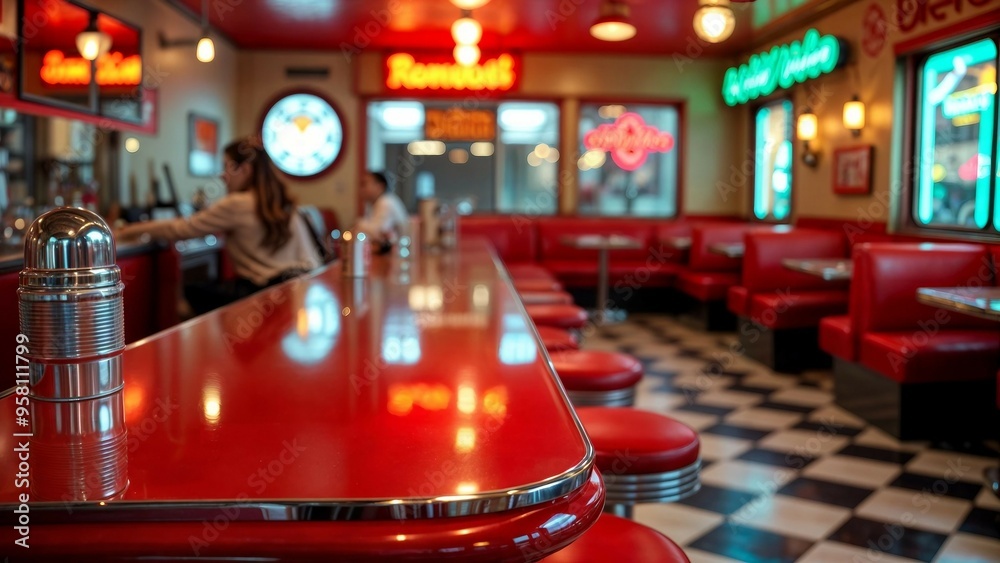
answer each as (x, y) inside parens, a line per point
(677, 243)
(603, 244)
(728, 249)
(410, 415)
(982, 302)
(830, 269)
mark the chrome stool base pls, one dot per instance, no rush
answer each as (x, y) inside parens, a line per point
(624, 491)
(616, 398)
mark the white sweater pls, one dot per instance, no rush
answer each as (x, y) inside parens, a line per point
(235, 216)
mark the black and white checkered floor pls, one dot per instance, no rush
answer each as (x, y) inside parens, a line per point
(788, 475)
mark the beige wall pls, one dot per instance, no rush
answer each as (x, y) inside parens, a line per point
(872, 79)
(695, 81)
(262, 78)
(185, 85)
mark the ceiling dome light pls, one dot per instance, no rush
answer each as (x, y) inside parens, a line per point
(470, 4)
(613, 25)
(92, 42)
(466, 31)
(466, 55)
(714, 21)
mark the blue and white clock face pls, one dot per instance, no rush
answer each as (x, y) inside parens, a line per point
(302, 134)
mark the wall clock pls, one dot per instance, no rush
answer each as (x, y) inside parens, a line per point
(303, 134)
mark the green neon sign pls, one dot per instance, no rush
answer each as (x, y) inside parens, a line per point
(784, 66)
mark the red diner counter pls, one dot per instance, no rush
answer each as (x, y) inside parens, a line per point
(408, 415)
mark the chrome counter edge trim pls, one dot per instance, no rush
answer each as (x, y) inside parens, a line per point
(490, 502)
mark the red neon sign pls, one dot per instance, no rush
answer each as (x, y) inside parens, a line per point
(404, 72)
(113, 69)
(629, 140)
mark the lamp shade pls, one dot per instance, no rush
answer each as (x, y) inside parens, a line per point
(93, 43)
(614, 24)
(206, 50)
(854, 115)
(466, 31)
(466, 55)
(807, 126)
(470, 4)
(714, 21)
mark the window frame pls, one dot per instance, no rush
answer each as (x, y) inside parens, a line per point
(786, 96)
(909, 65)
(362, 157)
(679, 105)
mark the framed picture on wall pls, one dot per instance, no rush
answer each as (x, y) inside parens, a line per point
(203, 146)
(852, 170)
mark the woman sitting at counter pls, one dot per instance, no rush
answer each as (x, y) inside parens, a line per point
(267, 240)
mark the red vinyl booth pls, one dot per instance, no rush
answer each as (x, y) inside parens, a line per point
(709, 275)
(916, 371)
(780, 309)
(514, 237)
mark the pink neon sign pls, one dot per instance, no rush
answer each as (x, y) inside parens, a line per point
(629, 140)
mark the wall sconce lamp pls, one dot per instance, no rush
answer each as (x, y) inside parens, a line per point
(807, 129)
(854, 116)
(204, 47)
(92, 42)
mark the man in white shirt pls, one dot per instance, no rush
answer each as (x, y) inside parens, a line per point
(386, 219)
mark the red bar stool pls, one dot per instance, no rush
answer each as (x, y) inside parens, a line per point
(598, 378)
(559, 316)
(623, 541)
(557, 339)
(537, 284)
(545, 297)
(643, 456)
(529, 271)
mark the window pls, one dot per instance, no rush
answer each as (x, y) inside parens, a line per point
(628, 162)
(493, 157)
(953, 179)
(772, 187)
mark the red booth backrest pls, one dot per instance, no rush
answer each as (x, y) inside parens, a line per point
(513, 236)
(701, 259)
(551, 232)
(766, 249)
(887, 275)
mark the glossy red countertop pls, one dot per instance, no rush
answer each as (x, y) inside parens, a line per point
(423, 380)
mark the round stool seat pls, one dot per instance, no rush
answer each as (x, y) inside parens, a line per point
(545, 297)
(623, 541)
(560, 316)
(557, 339)
(529, 271)
(596, 370)
(537, 284)
(655, 443)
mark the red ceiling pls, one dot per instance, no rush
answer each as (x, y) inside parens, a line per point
(58, 23)
(664, 26)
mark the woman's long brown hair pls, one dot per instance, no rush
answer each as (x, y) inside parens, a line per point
(274, 205)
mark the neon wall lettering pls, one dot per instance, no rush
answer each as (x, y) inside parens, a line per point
(972, 100)
(784, 66)
(404, 72)
(629, 140)
(113, 69)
